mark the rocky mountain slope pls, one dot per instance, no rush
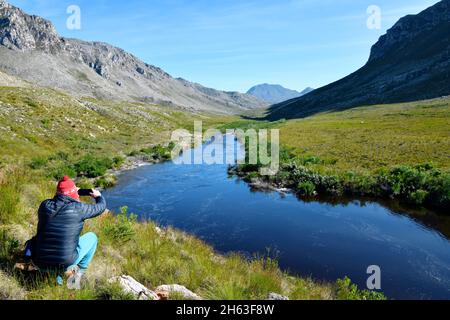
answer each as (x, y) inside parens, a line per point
(275, 93)
(411, 62)
(30, 48)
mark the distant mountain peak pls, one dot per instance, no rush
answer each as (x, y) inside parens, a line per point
(275, 93)
(307, 90)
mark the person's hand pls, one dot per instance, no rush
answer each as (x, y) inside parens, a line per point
(95, 193)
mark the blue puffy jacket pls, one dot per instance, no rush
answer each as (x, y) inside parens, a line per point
(61, 220)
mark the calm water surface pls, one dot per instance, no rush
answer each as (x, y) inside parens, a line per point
(322, 240)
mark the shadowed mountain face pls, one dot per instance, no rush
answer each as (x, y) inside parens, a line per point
(411, 62)
(274, 93)
(30, 48)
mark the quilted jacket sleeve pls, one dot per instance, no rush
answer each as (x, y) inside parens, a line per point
(90, 211)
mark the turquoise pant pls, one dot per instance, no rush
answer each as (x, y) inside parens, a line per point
(87, 244)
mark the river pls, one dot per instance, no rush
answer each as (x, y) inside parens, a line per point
(322, 240)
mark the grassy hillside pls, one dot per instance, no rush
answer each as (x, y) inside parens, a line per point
(45, 134)
(395, 151)
(36, 122)
(367, 138)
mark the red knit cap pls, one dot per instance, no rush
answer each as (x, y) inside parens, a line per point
(66, 187)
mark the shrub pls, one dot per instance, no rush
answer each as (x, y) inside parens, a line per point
(360, 185)
(403, 180)
(417, 197)
(346, 290)
(85, 183)
(330, 185)
(439, 189)
(307, 189)
(93, 167)
(118, 162)
(251, 176)
(106, 182)
(121, 229)
(60, 170)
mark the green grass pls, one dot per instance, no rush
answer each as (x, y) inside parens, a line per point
(398, 151)
(45, 134)
(368, 138)
(154, 259)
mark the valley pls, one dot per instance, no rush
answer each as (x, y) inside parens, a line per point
(365, 168)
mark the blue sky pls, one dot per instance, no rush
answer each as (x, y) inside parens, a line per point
(235, 44)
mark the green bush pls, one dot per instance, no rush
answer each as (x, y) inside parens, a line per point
(346, 290)
(93, 167)
(61, 169)
(85, 183)
(118, 162)
(307, 189)
(420, 185)
(122, 229)
(106, 182)
(439, 189)
(417, 197)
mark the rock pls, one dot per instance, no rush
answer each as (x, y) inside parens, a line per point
(175, 288)
(10, 289)
(276, 296)
(140, 70)
(24, 32)
(159, 231)
(31, 49)
(130, 285)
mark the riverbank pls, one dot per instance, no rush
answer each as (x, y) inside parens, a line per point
(396, 151)
(47, 134)
(417, 186)
(153, 256)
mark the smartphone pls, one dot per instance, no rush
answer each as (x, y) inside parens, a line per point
(85, 192)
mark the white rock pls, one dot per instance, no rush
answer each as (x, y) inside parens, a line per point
(176, 288)
(130, 285)
(276, 296)
(159, 231)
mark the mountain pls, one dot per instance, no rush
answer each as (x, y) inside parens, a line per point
(31, 49)
(274, 93)
(410, 62)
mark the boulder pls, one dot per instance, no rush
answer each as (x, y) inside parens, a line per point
(166, 290)
(130, 285)
(276, 296)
